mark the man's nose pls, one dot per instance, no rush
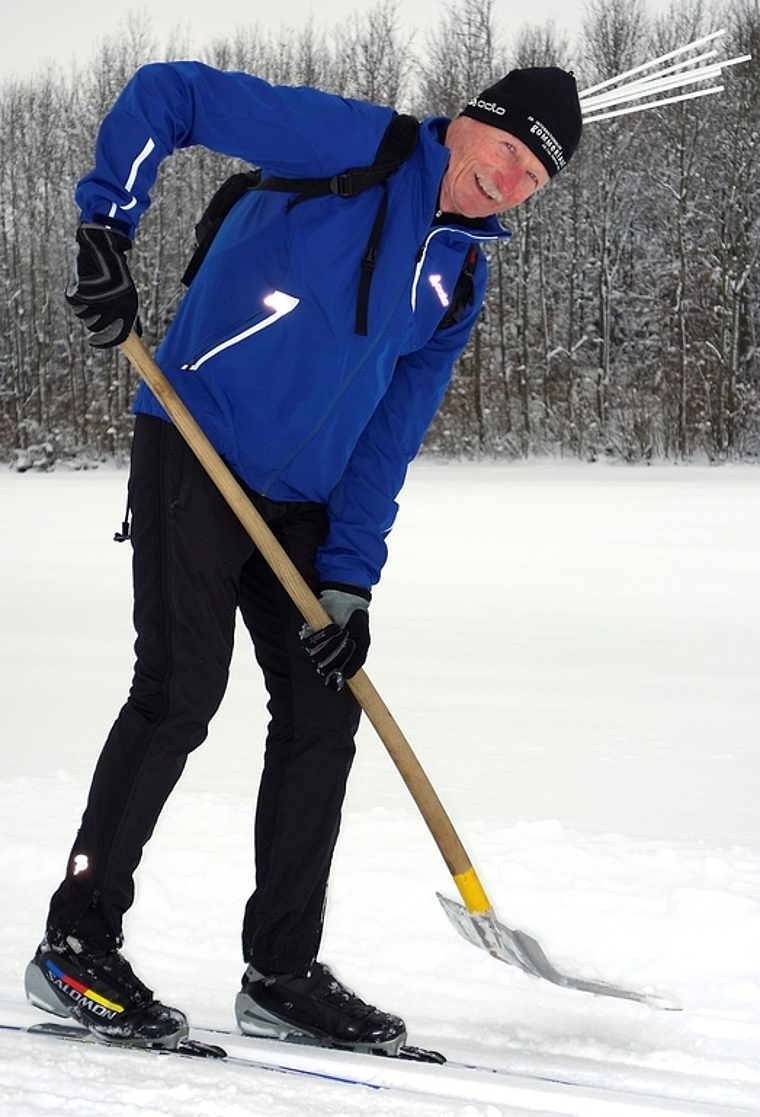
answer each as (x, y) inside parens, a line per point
(510, 181)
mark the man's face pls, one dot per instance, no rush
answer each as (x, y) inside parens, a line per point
(489, 170)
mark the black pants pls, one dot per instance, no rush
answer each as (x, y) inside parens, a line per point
(194, 566)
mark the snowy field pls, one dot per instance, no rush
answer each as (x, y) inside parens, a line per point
(574, 653)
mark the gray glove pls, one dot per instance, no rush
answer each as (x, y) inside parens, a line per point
(339, 649)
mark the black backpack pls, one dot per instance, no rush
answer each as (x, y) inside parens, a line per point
(397, 145)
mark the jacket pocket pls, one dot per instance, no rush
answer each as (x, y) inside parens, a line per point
(278, 304)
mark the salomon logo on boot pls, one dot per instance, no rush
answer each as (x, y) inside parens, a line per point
(100, 990)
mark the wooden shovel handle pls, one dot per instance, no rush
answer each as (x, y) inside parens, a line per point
(412, 772)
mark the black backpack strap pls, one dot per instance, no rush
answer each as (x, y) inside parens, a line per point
(368, 261)
(398, 143)
(231, 191)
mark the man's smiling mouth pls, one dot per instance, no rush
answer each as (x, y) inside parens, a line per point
(488, 189)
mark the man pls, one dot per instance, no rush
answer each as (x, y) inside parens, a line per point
(316, 382)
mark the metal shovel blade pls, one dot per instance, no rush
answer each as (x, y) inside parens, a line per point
(483, 930)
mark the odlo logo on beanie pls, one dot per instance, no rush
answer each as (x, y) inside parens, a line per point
(487, 106)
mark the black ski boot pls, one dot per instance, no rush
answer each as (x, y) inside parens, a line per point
(99, 990)
(315, 1009)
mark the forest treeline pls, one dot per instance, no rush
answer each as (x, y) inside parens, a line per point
(621, 319)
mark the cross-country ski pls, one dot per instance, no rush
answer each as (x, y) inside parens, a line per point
(560, 1087)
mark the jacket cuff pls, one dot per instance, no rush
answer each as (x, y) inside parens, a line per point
(347, 587)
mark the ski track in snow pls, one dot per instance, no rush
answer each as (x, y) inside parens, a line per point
(573, 652)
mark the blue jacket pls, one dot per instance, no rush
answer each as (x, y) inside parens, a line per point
(263, 349)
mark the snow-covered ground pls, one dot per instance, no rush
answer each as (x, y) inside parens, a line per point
(574, 653)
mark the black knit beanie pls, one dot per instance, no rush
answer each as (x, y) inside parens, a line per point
(540, 107)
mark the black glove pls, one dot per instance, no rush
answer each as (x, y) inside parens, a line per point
(101, 291)
(339, 649)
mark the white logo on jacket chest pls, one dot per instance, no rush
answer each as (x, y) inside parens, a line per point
(437, 285)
